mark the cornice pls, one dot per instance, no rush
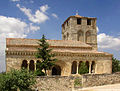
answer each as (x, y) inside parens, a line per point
(50, 46)
(31, 53)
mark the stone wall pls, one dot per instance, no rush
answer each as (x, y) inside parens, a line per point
(90, 80)
(54, 83)
(71, 83)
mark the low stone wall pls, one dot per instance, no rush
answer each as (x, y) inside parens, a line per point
(70, 83)
(90, 80)
(55, 83)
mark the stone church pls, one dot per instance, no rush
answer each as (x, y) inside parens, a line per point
(78, 44)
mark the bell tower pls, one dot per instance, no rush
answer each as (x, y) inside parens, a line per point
(80, 28)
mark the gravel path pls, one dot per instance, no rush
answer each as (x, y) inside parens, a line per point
(113, 87)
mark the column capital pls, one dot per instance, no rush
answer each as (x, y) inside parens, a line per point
(28, 62)
(90, 62)
(77, 63)
(35, 61)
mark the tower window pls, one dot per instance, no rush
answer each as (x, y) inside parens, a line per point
(88, 21)
(79, 21)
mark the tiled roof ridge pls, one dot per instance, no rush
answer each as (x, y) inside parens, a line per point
(47, 40)
(68, 43)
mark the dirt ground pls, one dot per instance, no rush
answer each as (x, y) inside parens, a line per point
(113, 87)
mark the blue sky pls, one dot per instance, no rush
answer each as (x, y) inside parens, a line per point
(32, 18)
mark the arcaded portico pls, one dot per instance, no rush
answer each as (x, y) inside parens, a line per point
(31, 65)
(78, 44)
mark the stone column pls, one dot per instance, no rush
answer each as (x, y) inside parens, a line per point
(35, 64)
(49, 72)
(90, 63)
(77, 67)
(28, 62)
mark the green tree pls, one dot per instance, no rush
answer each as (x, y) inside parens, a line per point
(83, 68)
(39, 71)
(115, 65)
(17, 79)
(44, 53)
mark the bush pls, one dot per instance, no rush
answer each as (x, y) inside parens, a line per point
(17, 79)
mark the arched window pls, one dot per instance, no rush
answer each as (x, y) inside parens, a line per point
(31, 65)
(93, 67)
(56, 70)
(24, 64)
(80, 36)
(88, 37)
(74, 68)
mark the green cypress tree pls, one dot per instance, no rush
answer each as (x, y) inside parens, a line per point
(44, 53)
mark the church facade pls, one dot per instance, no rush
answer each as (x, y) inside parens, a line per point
(78, 44)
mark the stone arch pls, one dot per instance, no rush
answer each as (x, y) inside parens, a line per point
(74, 67)
(31, 65)
(88, 37)
(93, 67)
(24, 64)
(80, 36)
(37, 64)
(56, 70)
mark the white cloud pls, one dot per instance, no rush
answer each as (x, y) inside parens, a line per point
(44, 8)
(15, 0)
(12, 27)
(54, 15)
(34, 28)
(108, 42)
(15, 28)
(38, 17)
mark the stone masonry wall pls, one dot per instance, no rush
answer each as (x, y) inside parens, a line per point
(100, 79)
(54, 83)
(70, 83)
